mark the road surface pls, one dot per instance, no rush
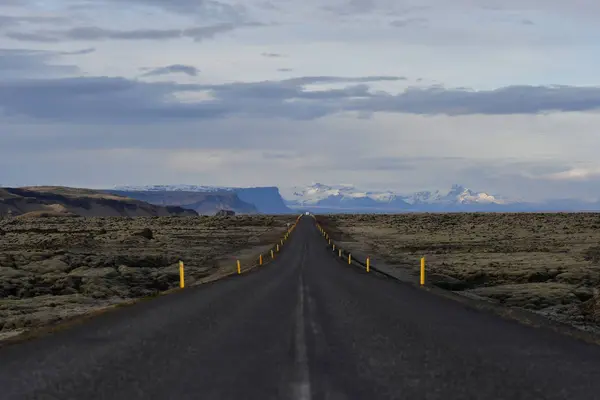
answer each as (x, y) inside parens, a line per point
(304, 327)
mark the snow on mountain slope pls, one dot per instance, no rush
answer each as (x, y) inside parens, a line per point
(456, 195)
(347, 195)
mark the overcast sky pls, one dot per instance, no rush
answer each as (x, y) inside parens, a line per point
(501, 96)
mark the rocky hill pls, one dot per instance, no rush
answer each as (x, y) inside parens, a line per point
(40, 201)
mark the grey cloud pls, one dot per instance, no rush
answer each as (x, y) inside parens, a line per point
(401, 23)
(507, 100)
(307, 80)
(6, 21)
(266, 5)
(361, 7)
(106, 100)
(272, 55)
(205, 8)
(173, 69)
(284, 69)
(10, 20)
(91, 33)
(527, 22)
(32, 37)
(271, 155)
(353, 7)
(18, 63)
(362, 163)
(77, 52)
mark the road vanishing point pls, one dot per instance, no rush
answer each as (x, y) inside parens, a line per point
(306, 326)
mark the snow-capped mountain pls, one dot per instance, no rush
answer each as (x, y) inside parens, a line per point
(456, 195)
(347, 196)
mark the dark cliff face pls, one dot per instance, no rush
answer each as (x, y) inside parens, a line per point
(267, 200)
(207, 203)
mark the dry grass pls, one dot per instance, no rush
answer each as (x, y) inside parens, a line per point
(54, 268)
(549, 263)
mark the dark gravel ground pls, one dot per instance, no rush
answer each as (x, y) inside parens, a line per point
(55, 268)
(547, 263)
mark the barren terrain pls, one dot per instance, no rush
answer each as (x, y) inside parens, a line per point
(54, 268)
(45, 201)
(547, 263)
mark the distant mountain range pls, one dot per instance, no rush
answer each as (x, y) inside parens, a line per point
(204, 203)
(320, 198)
(348, 199)
(209, 199)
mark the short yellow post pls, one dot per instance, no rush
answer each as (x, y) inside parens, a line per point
(334, 247)
(368, 264)
(422, 271)
(260, 260)
(282, 242)
(349, 258)
(329, 241)
(277, 247)
(181, 276)
(272, 254)
(239, 267)
(340, 253)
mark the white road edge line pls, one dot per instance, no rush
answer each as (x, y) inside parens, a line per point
(302, 384)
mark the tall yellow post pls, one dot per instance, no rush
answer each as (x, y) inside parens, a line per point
(181, 276)
(260, 260)
(239, 267)
(272, 254)
(368, 264)
(422, 271)
(349, 258)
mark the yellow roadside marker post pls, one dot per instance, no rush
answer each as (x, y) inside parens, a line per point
(334, 247)
(272, 254)
(349, 258)
(239, 267)
(422, 271)
(278, 247)
(329, 241)
(260, 260)
(368, 264)
(340, 253)
(181, 276)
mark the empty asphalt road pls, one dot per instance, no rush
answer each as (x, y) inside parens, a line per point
(304, 327)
